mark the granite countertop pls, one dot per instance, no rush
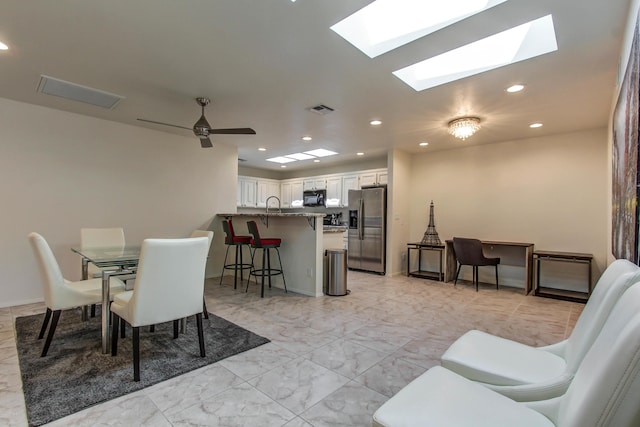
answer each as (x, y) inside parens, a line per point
(335, 228)
(281, 214)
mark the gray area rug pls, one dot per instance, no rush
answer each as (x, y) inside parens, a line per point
(75, 374)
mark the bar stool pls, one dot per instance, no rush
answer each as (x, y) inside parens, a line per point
(265, 244)
(239, 242)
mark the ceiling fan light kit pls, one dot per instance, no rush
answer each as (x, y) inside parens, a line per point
(202, 128)
(464, 127)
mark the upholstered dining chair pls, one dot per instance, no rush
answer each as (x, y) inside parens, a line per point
(603, 393)
(469, 252)
(209, 235)
(526, 373)
(59, 293)
(162, 291)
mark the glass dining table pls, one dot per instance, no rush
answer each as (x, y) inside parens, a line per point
(114, 261)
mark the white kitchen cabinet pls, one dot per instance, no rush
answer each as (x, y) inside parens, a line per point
(285, 193)
(247, 190)
(314, 183)
(296, 194)
(334, 192)
(266, 189)
(373, 177)
(349, 182)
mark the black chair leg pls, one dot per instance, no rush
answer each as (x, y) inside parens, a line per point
(93, 310)
(136, 353)
(205, 312)
(152, 328)
(284, 282)
(115, 323)
(224, 264)
(52, 329)
(264, 259)
(123, 333)
(175, 328)
(476, 279)
(200, 334)
(496, 277)
(45, 322)
(455, 282)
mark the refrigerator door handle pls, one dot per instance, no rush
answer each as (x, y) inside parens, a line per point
(360, 219)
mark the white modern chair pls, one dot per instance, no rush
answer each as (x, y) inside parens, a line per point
(605, 391)
(59, 293)
(209, 235)
(526, 373)
(169, 286)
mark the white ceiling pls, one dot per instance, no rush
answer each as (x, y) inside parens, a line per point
(263, 63)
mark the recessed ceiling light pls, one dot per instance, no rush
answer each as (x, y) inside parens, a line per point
(283, 166)
(535, 125)
(423, 144)
(306, 138)
(375, 122)
(517, 44)
(3, 46)
(262, 149)
(359, 154)
(515, 88)
(387, 24)
(316, 161)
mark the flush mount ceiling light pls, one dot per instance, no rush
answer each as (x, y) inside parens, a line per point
(385, 25)
(375, 122)
(423, 144)
(306, 138)
(515, 88)
(3, 46)
(535, 125)
(517, 44)
(464, 127)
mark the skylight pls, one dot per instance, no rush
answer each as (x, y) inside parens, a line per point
(388, 24)
(313, 154)
(517, 44)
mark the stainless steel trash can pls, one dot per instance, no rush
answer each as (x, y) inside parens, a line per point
(335, 272)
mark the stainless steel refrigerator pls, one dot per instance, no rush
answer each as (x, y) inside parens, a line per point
(367, 229)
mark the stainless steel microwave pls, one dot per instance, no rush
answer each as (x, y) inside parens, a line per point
(314, 197)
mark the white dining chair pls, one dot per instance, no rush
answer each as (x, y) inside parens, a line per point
(169, 286)
(209, 235)
(59, 293)
(604, 392)
(526, 373)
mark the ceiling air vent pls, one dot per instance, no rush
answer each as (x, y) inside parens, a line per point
(240, 160)
(56, 87)
(321, 109)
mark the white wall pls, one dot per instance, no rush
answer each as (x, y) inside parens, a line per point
(63, 171)
(399, 203)
(550, 191)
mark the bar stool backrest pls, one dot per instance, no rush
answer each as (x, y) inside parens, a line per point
(227, 227)
(253, 230)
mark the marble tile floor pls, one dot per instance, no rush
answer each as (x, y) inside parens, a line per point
(332, 361)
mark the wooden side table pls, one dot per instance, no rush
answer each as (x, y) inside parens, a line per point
(425, 274)
(570, 257)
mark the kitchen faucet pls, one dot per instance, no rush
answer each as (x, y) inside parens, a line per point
(273, 197)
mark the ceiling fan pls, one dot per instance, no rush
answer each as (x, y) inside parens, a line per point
(202, 128)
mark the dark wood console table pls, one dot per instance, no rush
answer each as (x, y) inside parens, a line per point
(510, 253)
(571, 257)
(437, 275)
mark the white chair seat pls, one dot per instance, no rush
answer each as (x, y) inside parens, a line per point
(487, 358)
(526, 373)
(441, 398)
(90, 292)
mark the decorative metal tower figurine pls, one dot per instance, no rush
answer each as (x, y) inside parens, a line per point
(431, 235)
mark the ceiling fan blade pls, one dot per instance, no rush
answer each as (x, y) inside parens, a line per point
(164, 124)
(205, 143)
(233, 131)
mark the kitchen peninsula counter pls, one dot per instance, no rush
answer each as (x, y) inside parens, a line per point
(301, 249)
